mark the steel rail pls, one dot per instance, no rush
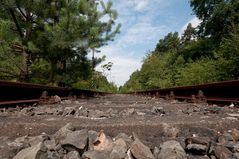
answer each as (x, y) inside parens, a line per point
(18, 92)
(19, 102)
(226, 91)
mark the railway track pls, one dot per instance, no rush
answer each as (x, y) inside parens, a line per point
(226, 92)
(153, 120)
(20, 93)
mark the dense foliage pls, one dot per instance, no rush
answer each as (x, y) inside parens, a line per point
(204, 54)
(47, 41)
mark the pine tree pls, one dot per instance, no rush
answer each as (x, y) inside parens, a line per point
(189, 35)
(60, 33)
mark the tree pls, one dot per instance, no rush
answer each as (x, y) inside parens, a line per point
(134, 83)
(73, 35)
(228, 57)
(61, 34)
(219, 17)
(170, 42)
(198, 49)
(26, 19)
(188, 35)
(11, 62)
(198, 72)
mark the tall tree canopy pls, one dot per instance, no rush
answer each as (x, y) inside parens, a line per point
(219, 17)
(60, 33)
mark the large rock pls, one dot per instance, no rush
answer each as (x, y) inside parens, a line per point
(172, 150)
(197, 157)
(214, 109)
(222, 152)
(197, 140)
(62, 133)
(157, 110)
(35, 152)
(97, 114)
(103, 143)
(21, 142)
(197, 145)
(69, 111)
(50, 144)
(235, 134)
(225, 138)
(119, 149)
(92, 138)
(129, 155)
(131, 111)
(236, 147)
(140, 151)
(112, 112)
(66, 101)
(7, 152)
(82, 112)
(40, 111)
(127, 112)
(27, 112)
(212, 157)
(58, 111)
(197, 148)
(60, 151)
(72, 155)
(50, 111)
(170, 131)
(96, 155)
(55, 99)
(126, 138)
(230, 145)
(156, 152)
(37, 139)
(236, 155)
(76, 140)
(53, 155)
(47, 110)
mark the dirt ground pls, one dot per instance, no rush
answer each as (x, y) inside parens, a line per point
(177, 120)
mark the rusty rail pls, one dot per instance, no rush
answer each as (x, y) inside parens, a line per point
(226, 91)
(17, 92)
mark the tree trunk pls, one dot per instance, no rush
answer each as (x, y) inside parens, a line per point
(24, 73)
(93, 60)
(52, 69)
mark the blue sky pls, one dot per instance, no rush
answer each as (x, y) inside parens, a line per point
(144, 22)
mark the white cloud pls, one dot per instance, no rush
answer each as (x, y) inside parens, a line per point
(143, 33)
(147, 5)
(128, 9)
(137, 5)
(123, 67)
(141, 5)
(123, 64)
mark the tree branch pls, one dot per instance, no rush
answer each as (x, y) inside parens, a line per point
(8, 72)
(15, 63)
(22, 13)
(16, 23)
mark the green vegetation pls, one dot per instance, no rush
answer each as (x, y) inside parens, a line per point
(204, 54)
(47, 41)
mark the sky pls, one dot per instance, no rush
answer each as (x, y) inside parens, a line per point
(143, 22)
